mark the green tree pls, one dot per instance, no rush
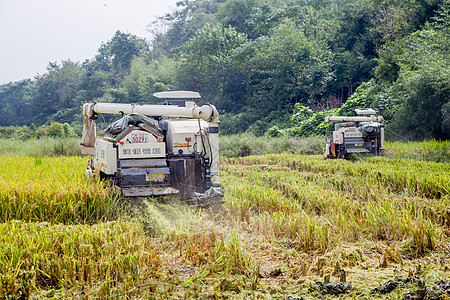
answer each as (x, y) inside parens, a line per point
(121, 50)
(14, 103)
(236, 13)
(288, 68)
(145, 79)
(208, 65)
(98, 79)
(174, 29)
(58, 95)
(420, 90)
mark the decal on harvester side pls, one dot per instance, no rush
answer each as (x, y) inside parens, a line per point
(138, 151)
(179, 145)
(139, 138)
(353, 134)
(151, 151)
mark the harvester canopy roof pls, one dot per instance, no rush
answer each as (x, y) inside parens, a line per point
(134, 119)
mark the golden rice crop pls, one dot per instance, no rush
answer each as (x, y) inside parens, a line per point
(55, 190)
(438, 151)
(315, 201)
(287, 222)
(416, 178)
(41, 255)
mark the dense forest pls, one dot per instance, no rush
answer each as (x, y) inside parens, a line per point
(270, 66)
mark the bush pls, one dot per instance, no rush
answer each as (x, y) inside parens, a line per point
(18, 132)
(313, 126)
(301, 113)
(274, 131)
(258, 128)
(238, 123)
(44, 146)
(307, 123)
(55, 130)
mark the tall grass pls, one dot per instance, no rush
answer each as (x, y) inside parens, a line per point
(238, 145)
(44, 146)
(230, 146)
(241, 145)
(247, 144)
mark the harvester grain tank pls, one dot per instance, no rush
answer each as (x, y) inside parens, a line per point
(363, 133)
(156, 149)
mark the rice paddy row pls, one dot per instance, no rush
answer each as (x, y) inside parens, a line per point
(345, 200)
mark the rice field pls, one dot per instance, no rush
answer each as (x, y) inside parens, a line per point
(288, 222)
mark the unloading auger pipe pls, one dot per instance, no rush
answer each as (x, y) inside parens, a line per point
(206, 112)
(334, 119)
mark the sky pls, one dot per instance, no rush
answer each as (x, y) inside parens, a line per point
(36, 32)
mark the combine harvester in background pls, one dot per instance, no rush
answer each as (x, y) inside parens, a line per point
(174, 151)
(360, 134)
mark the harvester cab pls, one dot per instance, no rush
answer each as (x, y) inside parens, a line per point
(359, 134)
(156, 149)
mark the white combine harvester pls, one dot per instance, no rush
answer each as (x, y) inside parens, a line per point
(174, 151)
(360, 134)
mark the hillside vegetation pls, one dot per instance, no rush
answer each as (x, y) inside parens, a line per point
(261, 62)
